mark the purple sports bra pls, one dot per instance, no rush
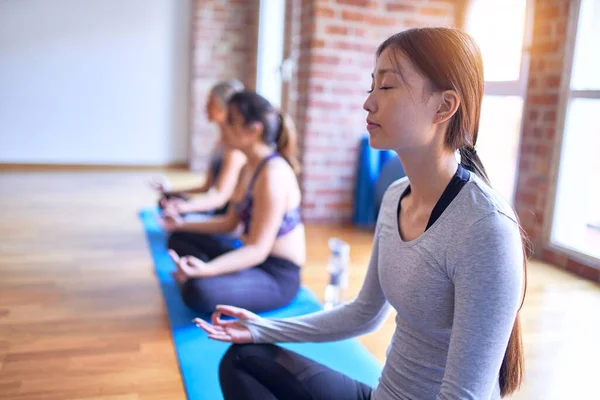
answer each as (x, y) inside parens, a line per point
(243, 209)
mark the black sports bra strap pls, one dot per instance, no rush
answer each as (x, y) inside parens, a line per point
(258, 169)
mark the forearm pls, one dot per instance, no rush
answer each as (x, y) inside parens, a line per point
(243, 258)
(343, 322)
(199, 189)
(212, 226)
(191, 190)
(209, 201)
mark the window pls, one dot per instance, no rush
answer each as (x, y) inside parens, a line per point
(271, 32)
(505, 61)
(576, 219)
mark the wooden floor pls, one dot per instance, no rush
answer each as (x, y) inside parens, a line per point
(82, 317)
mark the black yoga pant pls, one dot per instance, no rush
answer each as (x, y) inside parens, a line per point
(267, 286)
(268, 372)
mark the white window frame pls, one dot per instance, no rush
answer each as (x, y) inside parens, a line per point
(269, 58)
(516, 87)
(566, 94)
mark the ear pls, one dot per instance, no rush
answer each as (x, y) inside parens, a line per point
(449, 103)
(256, 129)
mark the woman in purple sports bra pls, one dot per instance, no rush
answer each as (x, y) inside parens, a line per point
(264, 273)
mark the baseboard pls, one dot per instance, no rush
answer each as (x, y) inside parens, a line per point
(16, 167)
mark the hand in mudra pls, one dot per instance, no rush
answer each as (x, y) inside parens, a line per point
(160, 184)
(228, 331)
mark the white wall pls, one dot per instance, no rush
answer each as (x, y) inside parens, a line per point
(94, 81)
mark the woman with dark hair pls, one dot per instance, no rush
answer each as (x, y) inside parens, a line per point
(448, 254)
(224, 169)
(264, 273)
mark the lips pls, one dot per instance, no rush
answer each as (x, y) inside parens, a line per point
(371, 125)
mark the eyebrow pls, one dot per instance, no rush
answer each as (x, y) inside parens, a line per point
(385, 70)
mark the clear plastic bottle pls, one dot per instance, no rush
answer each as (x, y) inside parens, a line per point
(339, 258)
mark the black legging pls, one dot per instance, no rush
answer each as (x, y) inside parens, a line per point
(267, 372)
(267, 286)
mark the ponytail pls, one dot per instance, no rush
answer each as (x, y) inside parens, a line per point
(471, 161)
(287, 144)
(511, 370)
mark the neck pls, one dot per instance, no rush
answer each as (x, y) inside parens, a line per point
(429, 173)
(257, 153)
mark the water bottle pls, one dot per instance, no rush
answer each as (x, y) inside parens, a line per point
(339, 257)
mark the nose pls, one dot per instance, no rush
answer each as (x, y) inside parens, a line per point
(370, 105)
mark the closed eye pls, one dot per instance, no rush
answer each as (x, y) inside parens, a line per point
(381, 88)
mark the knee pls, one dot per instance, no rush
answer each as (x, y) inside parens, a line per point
(198, 295)
(238, 355)
(228, 362)
(173, 239)
(178, 242)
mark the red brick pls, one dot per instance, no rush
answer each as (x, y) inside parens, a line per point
(323, 74)
(383, 21)
(524, 165)
(401, 7)
(542, 28)
(529, 199)
(318, 177)
(546, 13)
(533, 115)
(336, 30)
(328, 60)
(552, 81)
(560, 29)
(358, 32)
(318, 44)
(343, 91)
(358, 47)
(546, 46)
(338, 205)
(433, 11)
(408, 23)
(357, 3)
(324, 12)
(354, 16)
(543, 99)
(316, 88)
(532, 83)
(307, 29)
(324, 105)
(550, 116)
(538, 133)
(331, 192)
(349, 76)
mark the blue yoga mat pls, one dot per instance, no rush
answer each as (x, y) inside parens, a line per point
(199, 356)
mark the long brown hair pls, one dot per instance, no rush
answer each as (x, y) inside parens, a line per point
(451, 60)
(278, 128)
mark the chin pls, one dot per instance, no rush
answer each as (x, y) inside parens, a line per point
(375, 142)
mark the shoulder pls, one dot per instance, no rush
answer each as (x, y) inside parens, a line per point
(393, 193)
(483, 229)
(478, 201)
(277, 175)
(233, 155)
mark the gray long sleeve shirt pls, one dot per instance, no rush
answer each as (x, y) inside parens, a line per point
(456, 289)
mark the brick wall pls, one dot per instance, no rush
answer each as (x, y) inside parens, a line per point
(540, 141)
(338, 39)
(224, 46)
